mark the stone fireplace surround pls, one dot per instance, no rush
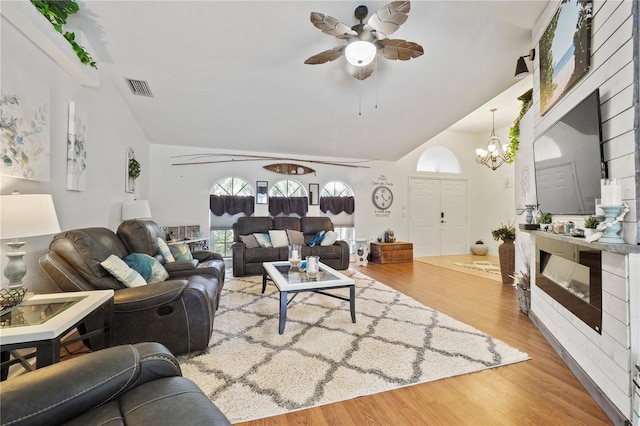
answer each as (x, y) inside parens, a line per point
(604, 362)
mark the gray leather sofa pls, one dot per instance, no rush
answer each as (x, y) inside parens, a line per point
(178, 312)
(131, 384)
(248, 261)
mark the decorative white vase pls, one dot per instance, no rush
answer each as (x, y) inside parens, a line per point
(479, 249)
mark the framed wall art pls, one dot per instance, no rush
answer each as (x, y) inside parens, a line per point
(262, 192)
(314, 194)
(24, 127)
(76, 149)
(565, 51)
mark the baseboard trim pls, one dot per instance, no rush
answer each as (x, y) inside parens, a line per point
(616, 417)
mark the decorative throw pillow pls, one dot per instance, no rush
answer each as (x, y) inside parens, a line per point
(317, 239)
(249, 241)
(263, 240)
(330, 237)
(149, 267)
(295, 237)
(278, 238)
(165, 251)
(122, 272)
(181, 251)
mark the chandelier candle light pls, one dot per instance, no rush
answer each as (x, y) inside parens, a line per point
(495, 154)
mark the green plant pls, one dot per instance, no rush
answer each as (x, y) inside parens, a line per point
(514, 131)
(544, 218)
(134, 168)
(57, 12)
(504, 232)
(591, 222)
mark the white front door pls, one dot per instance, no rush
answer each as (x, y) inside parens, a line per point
(438, 221)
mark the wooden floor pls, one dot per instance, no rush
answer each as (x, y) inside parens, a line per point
(541, 391)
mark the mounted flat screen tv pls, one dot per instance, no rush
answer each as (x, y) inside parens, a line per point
(569, 161)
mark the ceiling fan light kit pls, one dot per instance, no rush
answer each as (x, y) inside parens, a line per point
(360, 53)
(364, 40)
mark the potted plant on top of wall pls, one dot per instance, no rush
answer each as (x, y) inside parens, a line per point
(506, 251)
(590, 224)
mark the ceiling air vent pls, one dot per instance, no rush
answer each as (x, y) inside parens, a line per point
(139, 87)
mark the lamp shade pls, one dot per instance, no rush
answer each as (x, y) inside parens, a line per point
(136, 209)
(27, 215)
(521, 68)
(360, 53)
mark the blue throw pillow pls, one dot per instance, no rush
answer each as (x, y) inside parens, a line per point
(149, 267)
(317, 239)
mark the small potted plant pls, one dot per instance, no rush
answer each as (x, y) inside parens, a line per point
(506, 251)
(590, 224)
(479, 249)
(545, 220)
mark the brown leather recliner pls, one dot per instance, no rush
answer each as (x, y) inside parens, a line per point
(178, 312)
(141, 236)
(133, 385)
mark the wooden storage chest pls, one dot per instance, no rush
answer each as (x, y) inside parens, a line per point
(397, 252)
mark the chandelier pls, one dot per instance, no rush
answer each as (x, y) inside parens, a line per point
(495, 154)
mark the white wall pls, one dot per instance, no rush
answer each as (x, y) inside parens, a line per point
(183, 191)
(606, 358)
(111, 130)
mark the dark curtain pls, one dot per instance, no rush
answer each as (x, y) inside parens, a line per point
(338, 205)
(221, 204)
(288, 205)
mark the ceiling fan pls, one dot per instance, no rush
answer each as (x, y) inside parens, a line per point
(365, 39)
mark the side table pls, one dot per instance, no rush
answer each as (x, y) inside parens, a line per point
(43, 320)
(397, 252)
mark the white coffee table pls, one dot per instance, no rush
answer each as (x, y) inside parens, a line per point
(297, 282)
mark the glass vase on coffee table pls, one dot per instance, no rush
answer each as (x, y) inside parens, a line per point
(294, 256)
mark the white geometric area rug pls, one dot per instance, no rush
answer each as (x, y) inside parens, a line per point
(250, 371)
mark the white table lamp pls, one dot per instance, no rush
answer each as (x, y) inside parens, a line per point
(136, 209)
(24, 215)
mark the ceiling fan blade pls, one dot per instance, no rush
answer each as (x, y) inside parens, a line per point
(330, 25)
(361, 73)
(326, 56)
(403, 50)
(389, 18)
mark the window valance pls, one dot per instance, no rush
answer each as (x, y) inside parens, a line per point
(338, 205)
(288, 205)
(231, 204)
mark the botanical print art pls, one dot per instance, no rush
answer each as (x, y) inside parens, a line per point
(24, 126)
(76, 150)
(565, 51)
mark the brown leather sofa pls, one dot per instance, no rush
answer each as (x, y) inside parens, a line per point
(248, 261)
(141, 236)
(178, 312)
(133, 385)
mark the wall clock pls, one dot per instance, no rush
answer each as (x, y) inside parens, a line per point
(382, 197)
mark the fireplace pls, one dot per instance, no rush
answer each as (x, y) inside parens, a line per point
(572, 275)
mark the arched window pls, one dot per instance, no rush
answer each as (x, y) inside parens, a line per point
(336, 189)
(438, 159)
(288, 197)
(287, 188)
(231, 185)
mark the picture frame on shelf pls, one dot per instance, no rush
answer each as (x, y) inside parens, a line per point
(314, 194)
(262, 192)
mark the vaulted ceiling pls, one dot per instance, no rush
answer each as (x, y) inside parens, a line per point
(231, 74)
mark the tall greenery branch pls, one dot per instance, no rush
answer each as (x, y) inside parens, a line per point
(57, 12)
